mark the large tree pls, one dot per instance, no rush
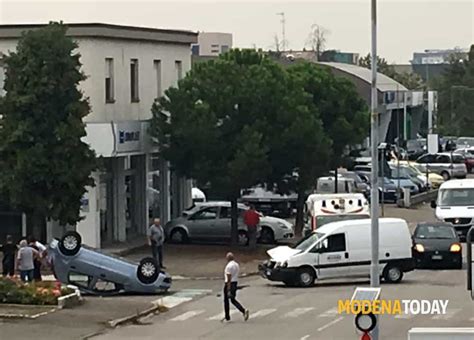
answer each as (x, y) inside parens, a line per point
(45, 164)
(343, 112)
(456, 96)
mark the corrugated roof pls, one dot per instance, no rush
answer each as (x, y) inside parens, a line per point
(384, 83)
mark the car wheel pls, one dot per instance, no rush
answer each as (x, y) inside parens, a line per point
(179, 236)
(243, 238)
(306, 277)
(445, 175)
(393, 274)
(70, 243)
(267, 236)
(147, 271)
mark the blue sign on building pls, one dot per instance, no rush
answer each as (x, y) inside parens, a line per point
(129, 136)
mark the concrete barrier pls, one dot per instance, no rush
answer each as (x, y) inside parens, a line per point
(418, 199)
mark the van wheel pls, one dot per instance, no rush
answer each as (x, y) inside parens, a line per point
(70, 243)
(445, 175)
(393, 274)
(306, 277)
(147, 271)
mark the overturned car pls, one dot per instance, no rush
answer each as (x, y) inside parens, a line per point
(97, 273)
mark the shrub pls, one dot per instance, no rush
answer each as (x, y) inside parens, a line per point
(42, 293)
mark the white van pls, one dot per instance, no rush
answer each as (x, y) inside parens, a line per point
(342, 249)
(455, 204)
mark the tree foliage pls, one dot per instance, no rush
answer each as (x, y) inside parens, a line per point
(45, 164)
(456, 96)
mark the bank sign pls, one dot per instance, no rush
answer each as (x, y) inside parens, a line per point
(129, 137)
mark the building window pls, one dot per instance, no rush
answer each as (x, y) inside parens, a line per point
(134, 81)
(224, 48)
(157, 68)
(109, 80)
(179, 69)
(195, 49)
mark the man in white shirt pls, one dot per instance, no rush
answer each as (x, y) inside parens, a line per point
(231, 275)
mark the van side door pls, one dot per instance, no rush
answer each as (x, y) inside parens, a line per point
(334, 258)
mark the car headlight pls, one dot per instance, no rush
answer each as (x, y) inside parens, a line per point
(419, 248)
(455, 248)
(282, 225)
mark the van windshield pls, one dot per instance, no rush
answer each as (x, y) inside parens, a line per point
(322, 220)
(456, 197)
(308, 241)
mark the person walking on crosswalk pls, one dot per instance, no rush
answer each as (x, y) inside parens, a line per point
(231, 275)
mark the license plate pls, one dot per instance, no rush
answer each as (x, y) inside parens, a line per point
(437, 257)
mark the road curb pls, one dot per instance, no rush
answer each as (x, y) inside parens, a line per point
(134, 317)
(209, 278)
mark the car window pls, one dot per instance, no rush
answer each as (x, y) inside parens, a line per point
(456, 197)
(426, 159)
(443, 159)
(458, 159)
(225, 212)
(206, 214)
(308, 241)
(335, 243)
(435, 232)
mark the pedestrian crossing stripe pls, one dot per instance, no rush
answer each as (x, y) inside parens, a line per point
(449, 314)
(297, 312)
(329, 313)
(187, 315)
(404, 316)
(220, 316)
(263, 312)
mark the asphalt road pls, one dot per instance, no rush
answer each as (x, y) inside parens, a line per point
(278, 312)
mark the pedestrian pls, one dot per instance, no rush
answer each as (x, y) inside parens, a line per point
(8, 262)
(25, 261)
(251, 220)
(156, 238)
(41, 249)
(231, 275)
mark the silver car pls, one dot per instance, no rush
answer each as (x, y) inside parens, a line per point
(449, 165)
(211, 221)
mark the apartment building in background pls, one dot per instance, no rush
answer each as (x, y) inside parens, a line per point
(127, 68)
(212, 44)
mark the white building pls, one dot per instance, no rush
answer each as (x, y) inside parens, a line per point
(212, 44)
(127, 68)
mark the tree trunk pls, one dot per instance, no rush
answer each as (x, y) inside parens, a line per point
(234, 226)
(300, 201)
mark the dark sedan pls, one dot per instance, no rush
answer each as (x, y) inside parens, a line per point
(436, 245)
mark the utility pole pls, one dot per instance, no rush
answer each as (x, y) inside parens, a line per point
(283, 37)
(374, 207)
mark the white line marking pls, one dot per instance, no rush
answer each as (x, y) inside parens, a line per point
(220, 316)
(171, 301)
(297, 312)
(330, 323)
(329, 313)
(305, 337)
(187, 315)
(404, 316)
(449, 314)
(262, 313)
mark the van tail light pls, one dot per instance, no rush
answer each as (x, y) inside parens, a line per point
(455, 248)
(313, 223)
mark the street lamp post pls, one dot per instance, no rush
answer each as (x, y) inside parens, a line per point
(374, 266)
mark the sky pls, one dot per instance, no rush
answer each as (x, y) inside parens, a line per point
(404, 26)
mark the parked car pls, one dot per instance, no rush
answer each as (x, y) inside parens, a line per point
(386, 186)
(465, 142)
(468, 154)
(339, 250)
(415, 149)
(407, 179)
(434, 179)
(436, 245)
(445, 164)
(361, 186)
(97, 273)
(211, 221)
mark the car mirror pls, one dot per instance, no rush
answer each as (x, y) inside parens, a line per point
(433, 204)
